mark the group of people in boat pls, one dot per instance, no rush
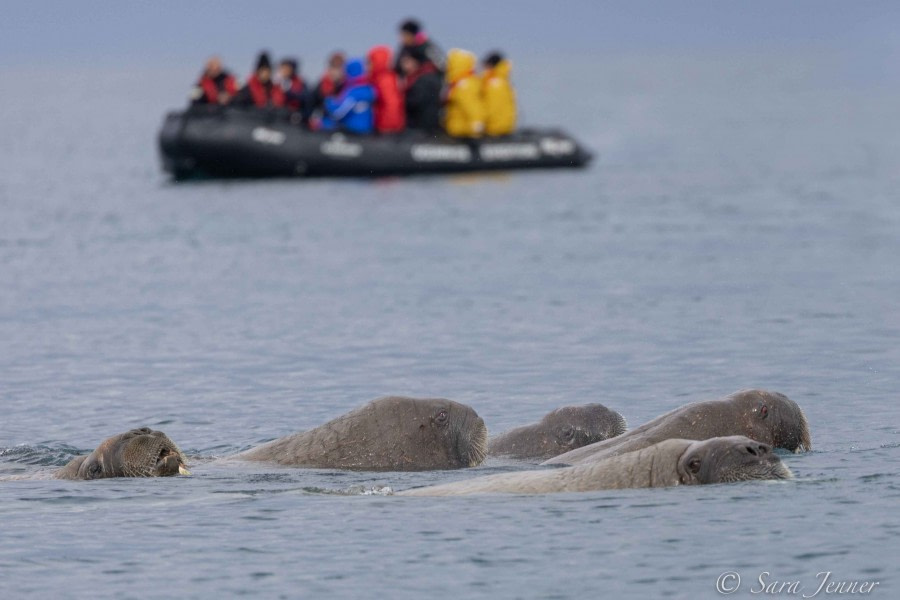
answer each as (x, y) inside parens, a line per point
(420, 87)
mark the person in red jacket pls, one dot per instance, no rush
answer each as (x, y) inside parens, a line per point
(390, 114)
(260, 91)
(216, 85)
(332, 81)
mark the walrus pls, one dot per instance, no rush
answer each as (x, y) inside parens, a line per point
(768, 417)
(668, 463)
(137, 453)
(559, 431)
(388, 434)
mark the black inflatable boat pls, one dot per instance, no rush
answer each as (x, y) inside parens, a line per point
(230, 142)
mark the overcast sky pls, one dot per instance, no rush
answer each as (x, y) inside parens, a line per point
(166, 33)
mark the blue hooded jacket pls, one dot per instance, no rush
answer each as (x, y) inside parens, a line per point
(352, 109)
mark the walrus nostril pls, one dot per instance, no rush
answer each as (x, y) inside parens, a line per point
(763, 449)
(751, 450)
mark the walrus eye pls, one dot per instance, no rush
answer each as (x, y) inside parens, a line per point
(441, 417)
(95, 470)
(694, 465)
(764, 411)
(568, 433)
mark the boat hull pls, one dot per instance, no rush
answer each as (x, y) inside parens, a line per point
(226, 142)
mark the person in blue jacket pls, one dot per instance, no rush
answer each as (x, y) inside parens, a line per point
(351, 110)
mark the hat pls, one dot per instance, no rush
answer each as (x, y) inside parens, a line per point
(263, 61)
(411, 26)
(493, 59)
(355, 68)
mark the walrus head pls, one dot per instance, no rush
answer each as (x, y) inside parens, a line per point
(729, 459)
(448, 432)
(136, 453)
(572, 427)
(559, 431)
(772, 418)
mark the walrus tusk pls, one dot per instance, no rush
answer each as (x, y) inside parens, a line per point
(182, 470)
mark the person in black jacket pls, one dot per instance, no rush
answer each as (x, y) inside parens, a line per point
(413, 37)
(422, 89)
(297, 95)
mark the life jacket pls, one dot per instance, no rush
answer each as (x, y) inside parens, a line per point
(294, 93)
(263, 96)
(296, 86)
(213, 86)
(326, 85)
(424, 69)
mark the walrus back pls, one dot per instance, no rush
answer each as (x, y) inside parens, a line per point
(335, 444)
(521, 442)
(655, 466)
(393, 433)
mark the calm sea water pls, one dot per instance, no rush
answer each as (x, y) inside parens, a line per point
(739, 229)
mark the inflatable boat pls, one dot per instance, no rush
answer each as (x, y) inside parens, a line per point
(232, 142)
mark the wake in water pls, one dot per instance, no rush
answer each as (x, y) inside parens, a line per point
(353, 490)
(41, 454)
(17, 463)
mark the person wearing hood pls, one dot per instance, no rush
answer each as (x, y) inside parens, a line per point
(260, 91)
(352, 109)
(389, 112)
(422, 91)
(463, 108)
(297, 96)
(413, 37)
(498, 95)
(216, 85)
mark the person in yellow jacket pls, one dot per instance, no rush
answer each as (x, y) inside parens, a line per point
(463, 109)
(498, 96)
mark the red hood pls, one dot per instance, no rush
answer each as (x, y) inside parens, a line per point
(380, 59)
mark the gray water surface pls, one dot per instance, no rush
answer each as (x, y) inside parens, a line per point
(739, 229)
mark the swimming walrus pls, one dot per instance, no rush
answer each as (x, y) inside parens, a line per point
(136, 453)
(667, 463)
(559, 431)
(387, 434)
(768, 417)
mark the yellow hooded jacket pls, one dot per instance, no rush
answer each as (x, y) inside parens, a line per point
(463, 111)
(499, 100)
